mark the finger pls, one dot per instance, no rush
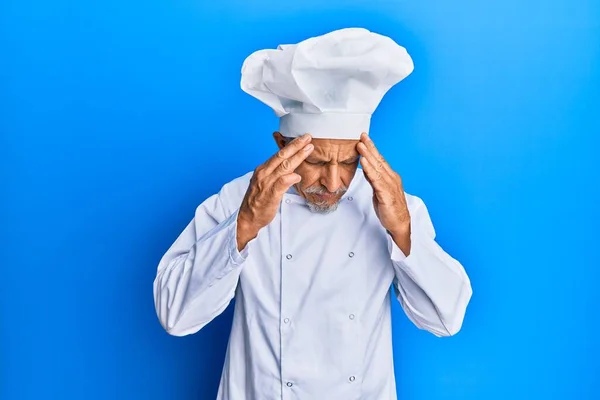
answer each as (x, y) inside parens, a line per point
(374, 155)
(377, 179)
(376, 165)
(286, 152)
(364, 138)
(289, 165)
(283, 183)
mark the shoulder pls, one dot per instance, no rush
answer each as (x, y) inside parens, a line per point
(232, 193)
(419, 215)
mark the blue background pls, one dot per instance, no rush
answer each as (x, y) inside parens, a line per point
(118, 118)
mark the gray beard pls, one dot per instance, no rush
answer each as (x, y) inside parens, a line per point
(323, 208)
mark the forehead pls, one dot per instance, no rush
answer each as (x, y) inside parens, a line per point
(336, 149)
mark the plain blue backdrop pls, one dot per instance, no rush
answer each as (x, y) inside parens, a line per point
(117, 118)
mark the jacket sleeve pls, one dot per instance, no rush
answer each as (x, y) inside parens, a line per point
(197, 276)
(431, 286)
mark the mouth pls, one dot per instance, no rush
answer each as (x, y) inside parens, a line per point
(324, 196)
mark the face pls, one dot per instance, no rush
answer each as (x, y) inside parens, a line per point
(326, 173)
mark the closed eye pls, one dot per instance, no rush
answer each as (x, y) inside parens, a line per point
(347, 162)
(350, 161)
(315, 162)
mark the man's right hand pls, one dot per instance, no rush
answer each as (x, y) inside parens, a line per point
(267, 186)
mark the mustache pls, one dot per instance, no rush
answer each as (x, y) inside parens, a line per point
(323, 190)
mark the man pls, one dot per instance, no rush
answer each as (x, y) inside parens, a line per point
(308, 243)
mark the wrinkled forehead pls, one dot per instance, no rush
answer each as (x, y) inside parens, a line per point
(334, 149)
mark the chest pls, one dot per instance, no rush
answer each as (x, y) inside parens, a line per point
(342, 255)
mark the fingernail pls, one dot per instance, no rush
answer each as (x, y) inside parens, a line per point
(309, 148)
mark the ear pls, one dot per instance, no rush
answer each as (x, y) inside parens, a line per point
(279, 139)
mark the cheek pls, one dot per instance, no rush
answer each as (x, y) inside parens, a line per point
(308, 173)
(347, 174)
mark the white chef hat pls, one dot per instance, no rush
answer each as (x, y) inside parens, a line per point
(327, 85)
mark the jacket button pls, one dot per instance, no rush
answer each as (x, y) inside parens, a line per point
(289, 384)
(351, 316)
(289, 256)
(351, 254)
(286, 320)
(288, 201)
(352, 378)
(350, 198)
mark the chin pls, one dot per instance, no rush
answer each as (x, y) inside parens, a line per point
(323, 207)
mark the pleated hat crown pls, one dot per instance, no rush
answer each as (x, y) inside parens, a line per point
(329, 85)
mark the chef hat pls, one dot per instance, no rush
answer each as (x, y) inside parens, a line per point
(327, 85)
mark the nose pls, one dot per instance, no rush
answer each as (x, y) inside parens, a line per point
(331, 179)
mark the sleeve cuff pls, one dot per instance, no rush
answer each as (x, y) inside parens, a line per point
(396, 253)
(237, 257)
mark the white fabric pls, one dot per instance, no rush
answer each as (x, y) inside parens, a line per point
(327, 82)
(312, 311)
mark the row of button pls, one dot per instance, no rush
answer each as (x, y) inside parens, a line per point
(351, 316)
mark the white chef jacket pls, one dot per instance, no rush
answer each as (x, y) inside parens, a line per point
(312, 312)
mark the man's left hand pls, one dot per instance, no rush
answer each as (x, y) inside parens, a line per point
(388, 194)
